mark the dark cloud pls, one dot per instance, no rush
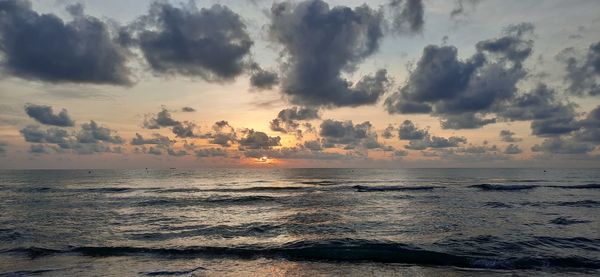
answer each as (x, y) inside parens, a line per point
(45, 115)
(93, 133)
(554, 126)
(156, 139)
(176, 153)
(388, 132)
(188, 109)
(223, 139)
(210, 42)
(182, 129)
(39, 149)
(263, 79)
(583, 73)
(465, 121)
(211, 152)
(508, 136)
(220, 126)
(558, 145)
(590, 127)
(514, 46)
(344, 132)
(349, 136)
(435, 142)
(90, 139)
(314, 145)
(224, 135)
(400, 153)
(512, 149)
(154, 151)
(476, 149)
(287, 120)
(463, 92)
(51, 135)
(322, 42)
(461, 7)
(258, 140)
(408, 131)
(44, 47)
(161, 119)
(550, 114)
(3, 146)
(407, 16)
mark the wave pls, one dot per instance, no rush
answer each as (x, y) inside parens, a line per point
(343, 250)
(503, 187)
(586, 186)
(182, 202)
(497, 205)
(176, 272)
(360, 188)
(320, 183)
(567, 221)
(262, 189)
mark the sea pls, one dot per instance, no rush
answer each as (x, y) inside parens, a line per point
(300, 222)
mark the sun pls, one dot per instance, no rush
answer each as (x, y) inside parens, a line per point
(263, 159)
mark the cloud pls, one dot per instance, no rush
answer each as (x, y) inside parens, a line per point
(44, 47)
(161, 119)
(38, 149)
(465, 121)
(514, 46)
(210, 43)
(461, 6)
(512, 149)
(45, 115)
(294, 153)
(154, 151)
(211, 152)
(176, 153)
(344, 132)
(224, 135)
(223, 139)
(407, 16)
(287, 120)
(263, 79)
(408, 131)
(558, 145)
(435, 142)
(52, 135)
(462, 92)
(508, 136)
(182, 129)
(91, 138)
(3, 146)
(583, 73)
(258, 140)
(156, 139)
(93, 133)
(388, 132)
(322, 42)
(550, 115)
(590, 127)
(188, 109)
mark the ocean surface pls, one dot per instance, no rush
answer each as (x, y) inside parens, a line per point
(300, 222)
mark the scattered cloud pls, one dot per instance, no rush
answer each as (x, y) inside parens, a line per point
(45, 115)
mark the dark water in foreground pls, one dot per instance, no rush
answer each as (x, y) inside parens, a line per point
(300, 222)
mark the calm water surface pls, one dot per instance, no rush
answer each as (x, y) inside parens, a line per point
(300, 222)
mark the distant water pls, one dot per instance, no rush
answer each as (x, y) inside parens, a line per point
(310, 222)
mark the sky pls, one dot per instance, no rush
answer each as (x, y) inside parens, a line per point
(256, 83)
